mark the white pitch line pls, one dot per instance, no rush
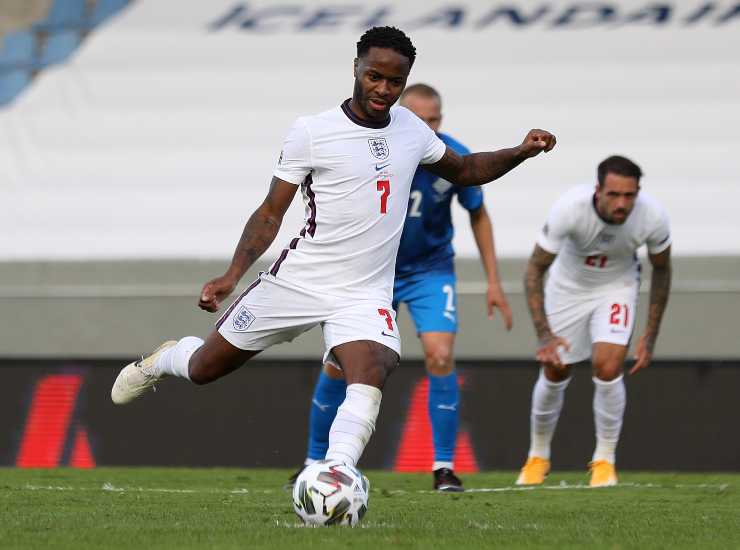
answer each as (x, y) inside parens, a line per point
(114, 489)
(563, 486)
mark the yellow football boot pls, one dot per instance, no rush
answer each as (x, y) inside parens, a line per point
(534, 471)
(603, 474)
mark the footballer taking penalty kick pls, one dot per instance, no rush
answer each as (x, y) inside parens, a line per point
(354, 165)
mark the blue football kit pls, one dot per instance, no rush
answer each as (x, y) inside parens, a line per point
(425, 271)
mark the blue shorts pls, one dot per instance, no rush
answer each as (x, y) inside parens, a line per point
(431, 301)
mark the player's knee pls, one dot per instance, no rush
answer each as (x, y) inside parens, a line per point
(557, 375)
(388, 361)
(608, 371)
(380, 365)
(439, 360)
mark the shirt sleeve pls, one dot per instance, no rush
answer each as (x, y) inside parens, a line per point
(471, 198)
(660, 237)
(433, 148)
(558, 226)
(294, 163)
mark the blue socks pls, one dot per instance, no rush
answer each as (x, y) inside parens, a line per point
(327, 396)
(444, 394)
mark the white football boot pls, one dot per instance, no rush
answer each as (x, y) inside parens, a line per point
(137, 377)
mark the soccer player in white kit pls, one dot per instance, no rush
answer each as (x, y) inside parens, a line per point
(354, 165)
(587, 309)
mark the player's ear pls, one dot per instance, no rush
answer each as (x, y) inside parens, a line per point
(354, 66)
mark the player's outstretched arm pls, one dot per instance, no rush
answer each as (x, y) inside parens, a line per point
(259, 232)
(480, 168)
(480, 223)
(547, 351)
(660, 288)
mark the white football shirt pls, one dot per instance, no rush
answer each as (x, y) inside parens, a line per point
(592, 253)
(355, 179)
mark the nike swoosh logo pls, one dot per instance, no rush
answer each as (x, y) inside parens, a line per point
(320, 405)
(384, 333)
(444, 407)
(378, 168)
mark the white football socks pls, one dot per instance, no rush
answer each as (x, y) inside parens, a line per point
(354, 423)
(174, 361)
(547, 402)
(610, 399)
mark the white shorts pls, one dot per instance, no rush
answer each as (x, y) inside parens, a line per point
(271, 312)
(584, 319)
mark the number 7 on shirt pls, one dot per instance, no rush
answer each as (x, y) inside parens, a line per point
(385, 187)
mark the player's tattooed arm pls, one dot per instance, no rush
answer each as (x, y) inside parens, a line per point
(480, 168)
(549, 343)
(534, 286)
(259, 232)
(660, 289)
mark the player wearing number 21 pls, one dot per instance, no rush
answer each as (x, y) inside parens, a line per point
(353, 165)
(587, 309)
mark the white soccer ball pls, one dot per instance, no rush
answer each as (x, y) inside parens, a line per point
(329, 492)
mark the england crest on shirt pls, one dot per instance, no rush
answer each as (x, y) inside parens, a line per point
(242, 319)
(379, 148)
(606, 238)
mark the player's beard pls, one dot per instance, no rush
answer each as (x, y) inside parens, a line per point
(362, 101)
(619, 220)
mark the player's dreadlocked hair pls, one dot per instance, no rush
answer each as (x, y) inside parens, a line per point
(387, 37)
(622, 166)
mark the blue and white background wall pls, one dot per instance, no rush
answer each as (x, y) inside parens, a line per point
(156, 135)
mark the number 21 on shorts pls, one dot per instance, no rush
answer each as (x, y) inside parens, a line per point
(620, 314)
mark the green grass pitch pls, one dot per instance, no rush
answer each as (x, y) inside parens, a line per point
(230, 508)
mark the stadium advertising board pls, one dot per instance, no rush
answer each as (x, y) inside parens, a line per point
(56, 413)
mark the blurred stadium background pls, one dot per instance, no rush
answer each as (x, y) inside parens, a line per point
(137, 136)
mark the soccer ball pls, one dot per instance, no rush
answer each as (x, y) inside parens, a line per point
(329, 492)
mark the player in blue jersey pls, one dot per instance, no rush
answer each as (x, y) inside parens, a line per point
(425, 282)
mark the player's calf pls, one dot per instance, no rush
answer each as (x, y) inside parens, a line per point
(214, 359)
